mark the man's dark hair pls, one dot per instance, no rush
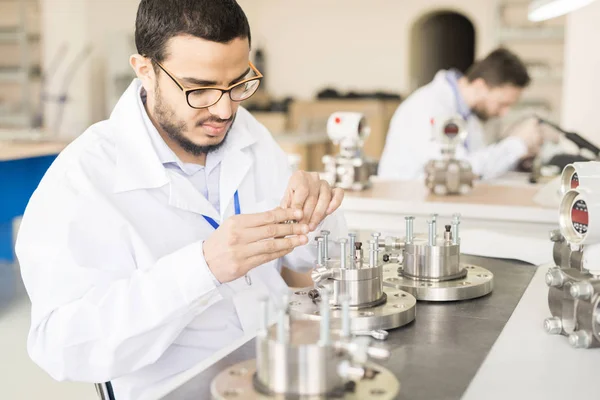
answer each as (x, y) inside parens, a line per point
(158, 21)
(500, 67)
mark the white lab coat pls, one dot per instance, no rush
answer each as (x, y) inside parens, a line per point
(410, 146)
(110, 249)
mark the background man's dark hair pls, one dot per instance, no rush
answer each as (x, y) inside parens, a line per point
(158, 21)
(500, 67)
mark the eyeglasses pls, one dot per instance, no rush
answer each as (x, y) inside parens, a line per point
(208, 96)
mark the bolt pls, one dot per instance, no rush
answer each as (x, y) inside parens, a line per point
(455, 231)
(581, 290)
(553, 325)
(556, 236)
(324, 338)
(431, 233)
(372, 253)
(343, 253)
(282, 322)
(352, 242)
(555, 277)
(580, 339)
(320, 250)
(434, 223)
(345, 300)
(264, 316)
(325, 235)
(375, 236)
(409, 229)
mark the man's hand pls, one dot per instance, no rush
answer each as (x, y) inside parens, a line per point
(530, 132)
(246, 241)
(307, 192)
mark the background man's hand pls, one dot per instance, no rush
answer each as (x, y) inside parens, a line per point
(246, 241)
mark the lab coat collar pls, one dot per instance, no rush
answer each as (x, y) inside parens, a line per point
(139, 167)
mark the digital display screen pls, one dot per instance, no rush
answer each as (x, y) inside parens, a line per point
(574, 181)
(451, 130)
(580, 217)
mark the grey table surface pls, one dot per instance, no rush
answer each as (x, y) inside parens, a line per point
(436, 356)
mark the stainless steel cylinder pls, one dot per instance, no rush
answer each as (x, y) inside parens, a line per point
(343, 253)
(299, 367)
(409, 228)
(441, 262)
(320, 251)
(325, 235)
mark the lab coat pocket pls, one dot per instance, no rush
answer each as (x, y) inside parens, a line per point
(246, 304)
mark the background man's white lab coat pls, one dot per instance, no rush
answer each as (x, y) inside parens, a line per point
(110, 249)
(410, 145)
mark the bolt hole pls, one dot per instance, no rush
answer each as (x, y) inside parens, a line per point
(399, 306)
(482, 275)
(301, 293)
(378, 392)
(232, 393)
(400, 295)
(470, 267)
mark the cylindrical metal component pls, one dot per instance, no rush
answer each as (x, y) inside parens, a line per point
(580, 339)
(352, 242)
(447, 234)
(455, 231)
(553, 325)
(422, 261)
(556, 236)
(581, 290)
(320, 251)
(282, 319)
(325, 235)
(434, 223)
(321, 274)
(299, 367)
(324, 338)
(373, 253)
(345, 315)
(409, 229)
(431, 233)
(343, 253)
(350, 372)
(375, 236)
(263, 316)
(555, 277)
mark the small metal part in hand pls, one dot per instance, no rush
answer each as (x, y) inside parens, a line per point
(378, 334)
(313, 294)
(290, 221)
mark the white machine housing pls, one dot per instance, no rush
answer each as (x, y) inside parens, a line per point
(449, 176)
(350, 169)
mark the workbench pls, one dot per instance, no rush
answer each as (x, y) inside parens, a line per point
(23, 163)
(501, 208)
(434, 357)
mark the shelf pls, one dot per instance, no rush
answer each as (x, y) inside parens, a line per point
(13, 35)
(541, 33)
(15, 119)
(13, 75)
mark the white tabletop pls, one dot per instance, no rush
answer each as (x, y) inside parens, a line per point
(527, 363)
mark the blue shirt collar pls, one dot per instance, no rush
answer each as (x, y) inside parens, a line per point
(452, 76)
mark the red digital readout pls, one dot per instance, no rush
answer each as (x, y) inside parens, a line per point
(580, 216)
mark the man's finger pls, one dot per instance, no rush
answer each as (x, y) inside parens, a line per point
(336, 200)
(274, 245)
(261, 259)
(275, 216)
(322, 205)
(285, 202)
(252, 235)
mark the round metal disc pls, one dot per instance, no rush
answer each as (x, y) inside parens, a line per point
(398, 310)
(478, 282)
(236, 383)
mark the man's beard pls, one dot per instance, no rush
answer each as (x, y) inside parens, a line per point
(481, 114)
(165, 117)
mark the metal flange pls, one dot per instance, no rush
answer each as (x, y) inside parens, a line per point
(478, 282)
(237, 382)
(398, 310)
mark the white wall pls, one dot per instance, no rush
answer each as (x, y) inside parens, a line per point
(581, 103)
(349, 44)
